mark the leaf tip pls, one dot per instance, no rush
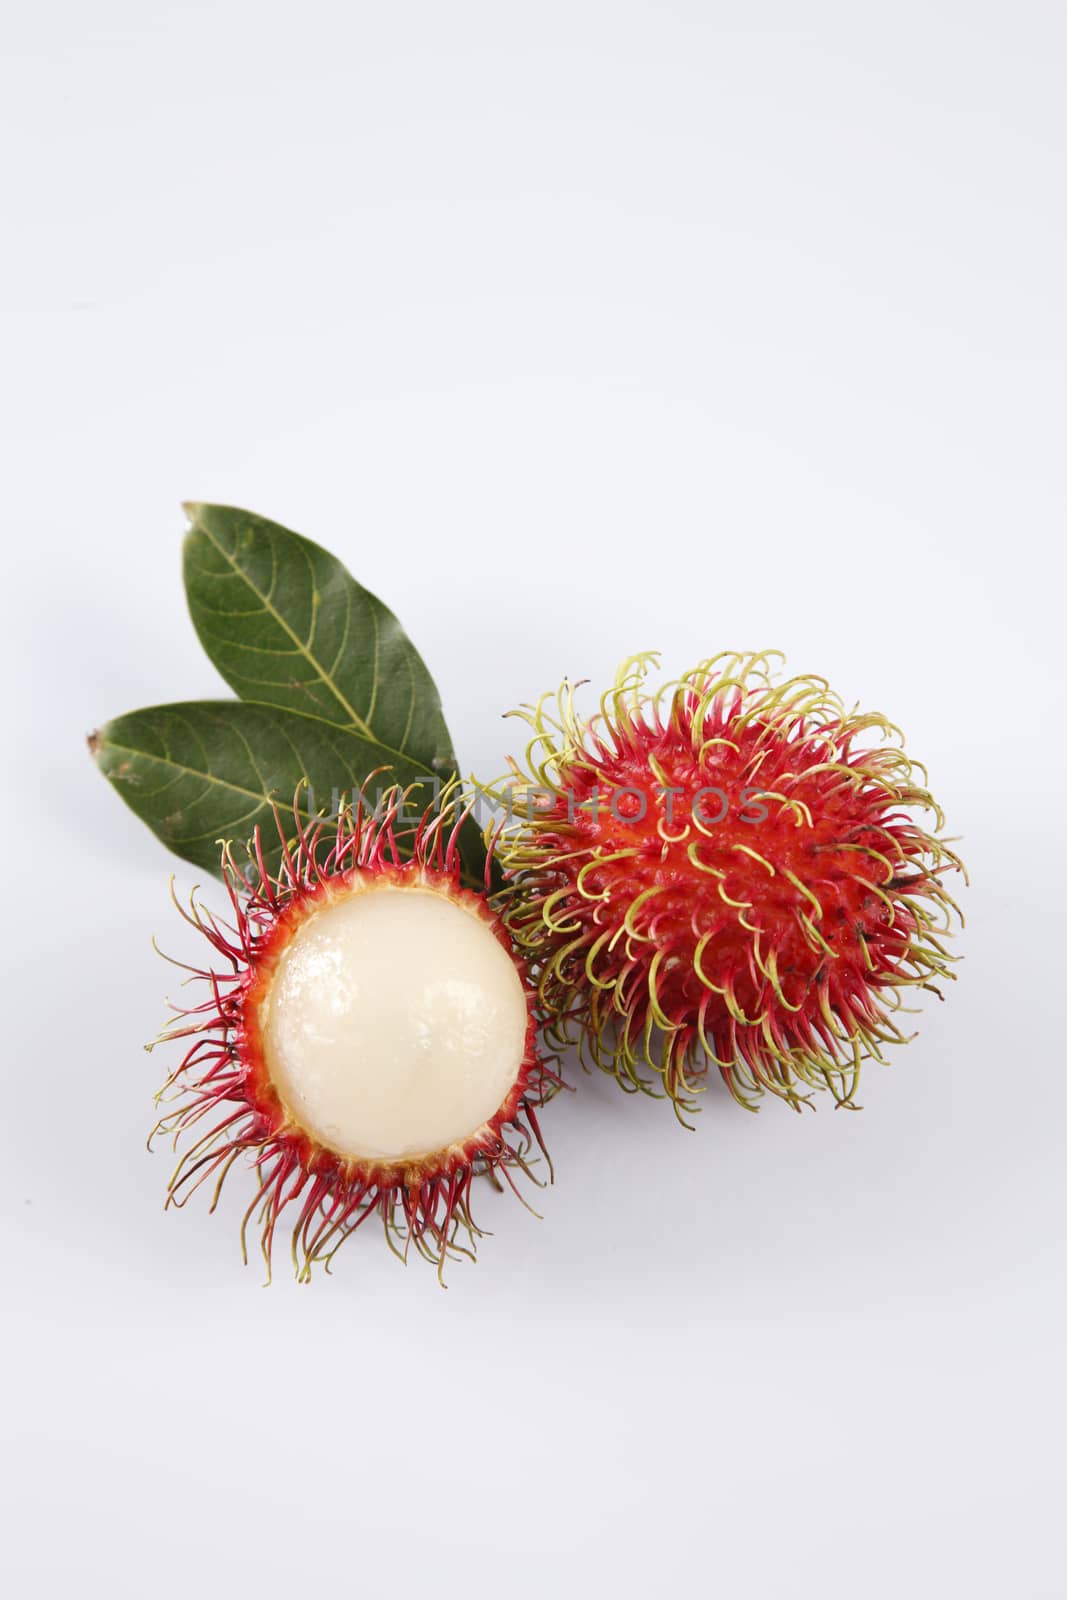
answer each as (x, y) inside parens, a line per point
(93, 742)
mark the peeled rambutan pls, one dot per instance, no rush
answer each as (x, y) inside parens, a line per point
(728, 872)
(368, 1046)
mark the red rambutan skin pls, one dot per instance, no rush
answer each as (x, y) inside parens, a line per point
(224, 1080)
(725, 874)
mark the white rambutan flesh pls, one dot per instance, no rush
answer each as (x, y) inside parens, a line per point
(394, 1024)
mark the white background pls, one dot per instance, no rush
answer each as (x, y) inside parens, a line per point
(575, 329)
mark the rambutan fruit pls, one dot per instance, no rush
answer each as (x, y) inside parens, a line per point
(726, 873)
(366, 1043)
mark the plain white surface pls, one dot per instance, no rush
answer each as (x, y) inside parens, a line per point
(576, 330)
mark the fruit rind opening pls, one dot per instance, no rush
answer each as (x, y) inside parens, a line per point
(222, 1107)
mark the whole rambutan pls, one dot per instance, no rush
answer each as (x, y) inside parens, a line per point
(366, 1042)
(727, 872)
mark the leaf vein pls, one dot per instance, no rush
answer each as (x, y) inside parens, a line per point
(267, 600)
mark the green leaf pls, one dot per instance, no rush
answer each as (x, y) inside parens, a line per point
(201, 771)
(287, 625)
